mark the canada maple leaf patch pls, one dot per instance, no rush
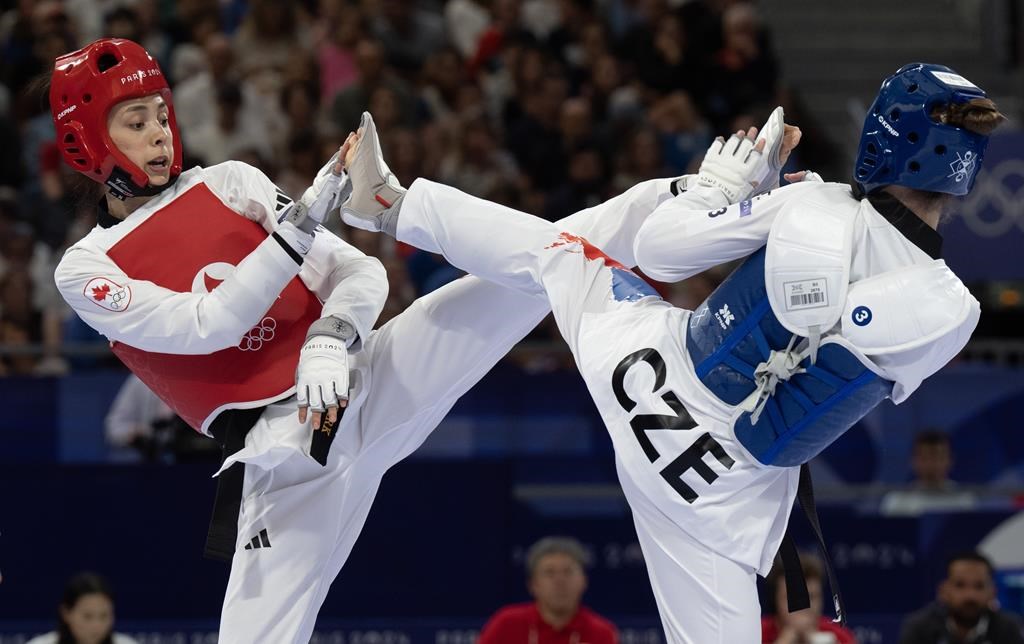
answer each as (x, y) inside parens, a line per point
(99, 293)
(108, 294)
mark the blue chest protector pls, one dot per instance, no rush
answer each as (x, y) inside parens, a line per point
(734, 332)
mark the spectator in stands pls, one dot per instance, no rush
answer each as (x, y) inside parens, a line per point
(350, 103)
(745, 72)
(807, 626)
(267, 38)
(229, 132)
(339, 26)
(931, 490)
(20, 323)
(542, 105)
(556, 579)
(641, 160)
(965, 611)
(477, 164)
(86, 614)
(134, 413)
(140, 420)
(196, 97)
(684, 135)
(587, 184)
(409, 33)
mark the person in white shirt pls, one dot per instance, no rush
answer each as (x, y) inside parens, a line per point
(842, 301)
(134, 412)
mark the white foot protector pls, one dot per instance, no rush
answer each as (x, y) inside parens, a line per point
(375, 189)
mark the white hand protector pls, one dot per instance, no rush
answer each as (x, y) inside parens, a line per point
(740, 171)
(321, 379)
(731, 166)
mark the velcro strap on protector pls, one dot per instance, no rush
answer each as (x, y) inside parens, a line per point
(335, 327)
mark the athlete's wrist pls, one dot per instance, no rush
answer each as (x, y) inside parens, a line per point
(335, 327)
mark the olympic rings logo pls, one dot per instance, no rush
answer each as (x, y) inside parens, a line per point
(262, 332)
(999, 195)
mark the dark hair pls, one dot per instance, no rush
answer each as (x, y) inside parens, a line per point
(229, 93)
(121, 12)
(309, 88)
(34, 98)
(555, 545)
(968, 555)
(932, 437)
(84, 583)
(978, 115)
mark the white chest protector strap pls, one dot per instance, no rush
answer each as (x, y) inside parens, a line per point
(910, 321)
(807, 267)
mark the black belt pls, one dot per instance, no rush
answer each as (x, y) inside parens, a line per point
(230, 429)
(796, 585)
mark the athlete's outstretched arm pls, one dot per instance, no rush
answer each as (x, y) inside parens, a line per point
(699, 229)
(716, 218)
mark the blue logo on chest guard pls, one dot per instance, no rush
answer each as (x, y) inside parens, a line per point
(861, 316)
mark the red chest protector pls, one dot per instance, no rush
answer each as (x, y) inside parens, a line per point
(261, 368)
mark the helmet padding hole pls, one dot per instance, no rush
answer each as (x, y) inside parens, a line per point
(106, 61)
(940, 149)
(914, 166)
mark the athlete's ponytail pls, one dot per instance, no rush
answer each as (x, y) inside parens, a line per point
(979, 115)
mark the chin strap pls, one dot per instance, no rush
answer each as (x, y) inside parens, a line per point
(123, 187)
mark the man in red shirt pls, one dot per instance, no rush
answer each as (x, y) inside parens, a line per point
(556, 579)
(806, 626)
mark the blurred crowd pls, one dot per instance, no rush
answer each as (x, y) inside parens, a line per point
(548, 106)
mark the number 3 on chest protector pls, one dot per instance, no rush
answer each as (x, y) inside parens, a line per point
(693, 457)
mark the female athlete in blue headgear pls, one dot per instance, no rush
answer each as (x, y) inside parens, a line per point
(843, 301)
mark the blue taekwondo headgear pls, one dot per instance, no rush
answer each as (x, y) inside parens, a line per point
(901, 144)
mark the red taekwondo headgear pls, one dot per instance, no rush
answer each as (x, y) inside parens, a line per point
(86, 84)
